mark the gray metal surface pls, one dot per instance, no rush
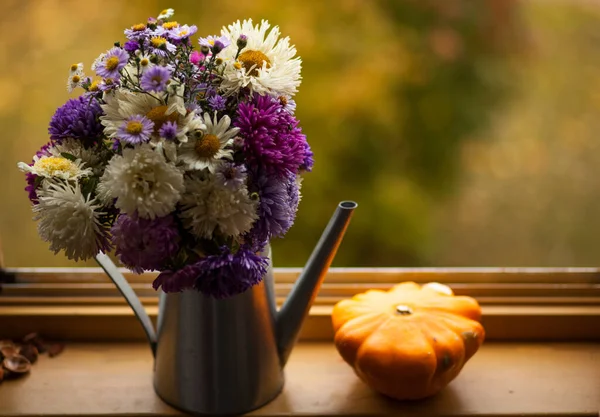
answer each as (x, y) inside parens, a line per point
(216, 357)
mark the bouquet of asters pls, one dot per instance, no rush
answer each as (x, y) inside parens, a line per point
(183, 156)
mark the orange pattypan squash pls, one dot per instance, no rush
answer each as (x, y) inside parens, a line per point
(409, 342)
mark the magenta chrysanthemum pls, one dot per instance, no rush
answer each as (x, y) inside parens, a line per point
(144, 244)
(272, 139)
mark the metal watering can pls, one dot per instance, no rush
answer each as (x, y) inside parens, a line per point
(227, 356)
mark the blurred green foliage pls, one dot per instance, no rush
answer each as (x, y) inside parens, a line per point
(428, 113)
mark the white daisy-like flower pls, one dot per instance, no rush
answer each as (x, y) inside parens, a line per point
(76, 68)
(208, 207)
(267, 64)
(47, 166)
(98, 61)
(89, 158)
(75, 80)
(166, 14)
(142, 181)
(70, 221)
(123, 104)
(206, 150)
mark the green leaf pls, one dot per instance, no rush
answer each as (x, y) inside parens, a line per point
(68, 156)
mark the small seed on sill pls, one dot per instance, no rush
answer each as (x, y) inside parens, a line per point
(17, 364)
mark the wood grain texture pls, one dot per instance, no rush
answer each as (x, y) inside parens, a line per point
(501, 380)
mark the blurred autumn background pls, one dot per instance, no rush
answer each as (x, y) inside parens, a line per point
(466, 130)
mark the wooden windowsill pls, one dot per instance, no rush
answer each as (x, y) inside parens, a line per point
(502, 379)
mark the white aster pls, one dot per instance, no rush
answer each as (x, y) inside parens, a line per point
(122, 104)
(69, 221)
(142, 181)
(166, 14)
(267, 65)
(209, 207)
(208, 149)
(98, 61)
(76, 68)
(56, 167)
(75, 80)
(89, 158)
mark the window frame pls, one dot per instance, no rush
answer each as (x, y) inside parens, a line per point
(517, 303)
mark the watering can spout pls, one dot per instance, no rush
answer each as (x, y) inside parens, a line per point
(296, 307)
(132, 299)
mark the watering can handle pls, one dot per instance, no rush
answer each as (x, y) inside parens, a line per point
(132, 299)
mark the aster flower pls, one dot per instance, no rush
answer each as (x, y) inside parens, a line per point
(141, 181)
(55, 167)
(91, 158)
(159, 45)
(266, 65)
(217, 102)
(177, 281)
(137, 32)
(144, 244)
(108, 84)
(166, 14)
(155, 79)
(75, 80)
(136, 129)
(231, 175)
(168, 131)
(228, 274)
(123, 104)
(182, 32)
(77, 119)
(114, 60)
(214, 43)
(278, 205)
(272, 138)
(145, 63)
(31, 179)
(76, 68)
(98, 61)
(131, 46)
(208, 207)
(70, 221)
(207, 150)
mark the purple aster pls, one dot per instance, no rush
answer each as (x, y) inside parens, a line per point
(278, 205)
(108, 84)
(145, 244)
(215, 44)
(137, 32)
(78, 118)
(114, 60)
(177, 281)
(308, 159)
(131, 46)
(227, 274)
(160, 45)
(136, 129)
(217, 102)
(182, 32)
(272, 138)
(231, 175)
(168, 130)
(155, 78)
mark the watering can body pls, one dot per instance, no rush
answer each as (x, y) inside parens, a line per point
(218, 356)
(226, 356)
